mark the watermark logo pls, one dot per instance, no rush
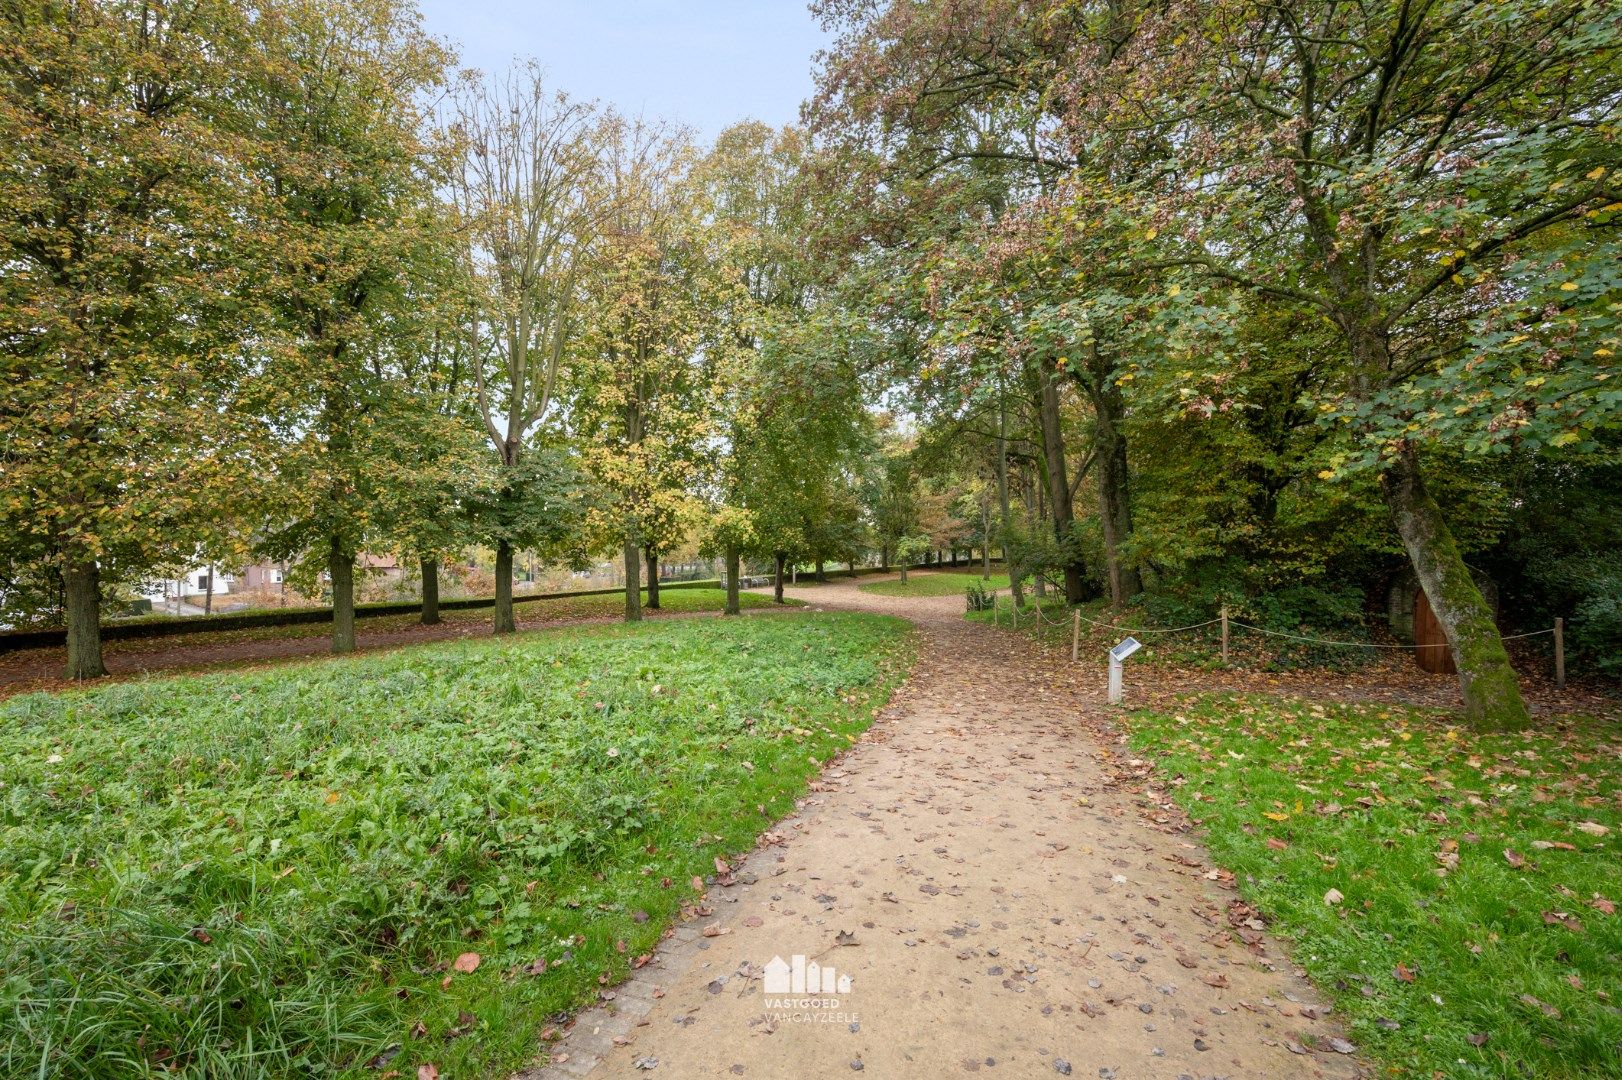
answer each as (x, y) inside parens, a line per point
(801, 991)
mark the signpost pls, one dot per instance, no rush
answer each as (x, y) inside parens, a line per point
(1116, 655)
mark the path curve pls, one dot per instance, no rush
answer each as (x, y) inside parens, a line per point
(1012, 912)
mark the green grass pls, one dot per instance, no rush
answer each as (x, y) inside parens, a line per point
(671, 602)
(1375, 802)
(270, 873)
(933, 583)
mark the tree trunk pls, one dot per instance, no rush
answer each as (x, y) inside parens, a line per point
(1058, 480)
(208, 593)
(884, 557)
(430, 592)
(653, 578)
(504, 588)
(633, 586)
(1015, 586)
(985, 562)
(777, 587)
(81, 606)
(733, 607)
(822, 574)
(1114, 491)
(341, 568)
(1492, 695)
(903, 571)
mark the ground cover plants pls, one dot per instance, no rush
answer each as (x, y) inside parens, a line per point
(408, 858)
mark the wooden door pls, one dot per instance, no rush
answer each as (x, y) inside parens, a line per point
(1433, 652)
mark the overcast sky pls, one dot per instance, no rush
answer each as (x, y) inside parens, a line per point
(704, 62)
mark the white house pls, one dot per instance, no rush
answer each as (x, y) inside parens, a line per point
(172, 592)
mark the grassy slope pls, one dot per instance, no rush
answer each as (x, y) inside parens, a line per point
(929, 583)
(1413, 790)
(269, 872)
(671, 602)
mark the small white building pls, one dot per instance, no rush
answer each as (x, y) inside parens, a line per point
(174, 593)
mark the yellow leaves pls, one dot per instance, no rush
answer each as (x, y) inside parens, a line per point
(1568, 286)
(1595, 174)
(332, 798)
(1175, 290)
(1565, 438)
(1151, 234)
(1326, 474)
(1603, 352)
(1272, 815)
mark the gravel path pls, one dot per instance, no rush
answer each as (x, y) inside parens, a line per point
(991, 887)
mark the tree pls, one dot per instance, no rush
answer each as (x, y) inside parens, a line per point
(1433, 182)
(120, 244)
(641, 403)
(526, 189)
(334, 93)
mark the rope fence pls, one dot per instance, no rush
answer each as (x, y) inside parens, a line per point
(1223, 619)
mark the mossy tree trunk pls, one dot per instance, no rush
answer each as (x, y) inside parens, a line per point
(430, 592)
(341, 569)
(777, 586)
(81, 604)
(1016, 587)
(1057, 474)
(1097, 381)
(1492, 695)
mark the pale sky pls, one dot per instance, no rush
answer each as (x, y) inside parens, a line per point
(706, 63)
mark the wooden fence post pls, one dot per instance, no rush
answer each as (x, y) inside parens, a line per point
(1224, 635)
(1560, 654)
(1075, 635)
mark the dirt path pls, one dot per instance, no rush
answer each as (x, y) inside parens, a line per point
(997, 901)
